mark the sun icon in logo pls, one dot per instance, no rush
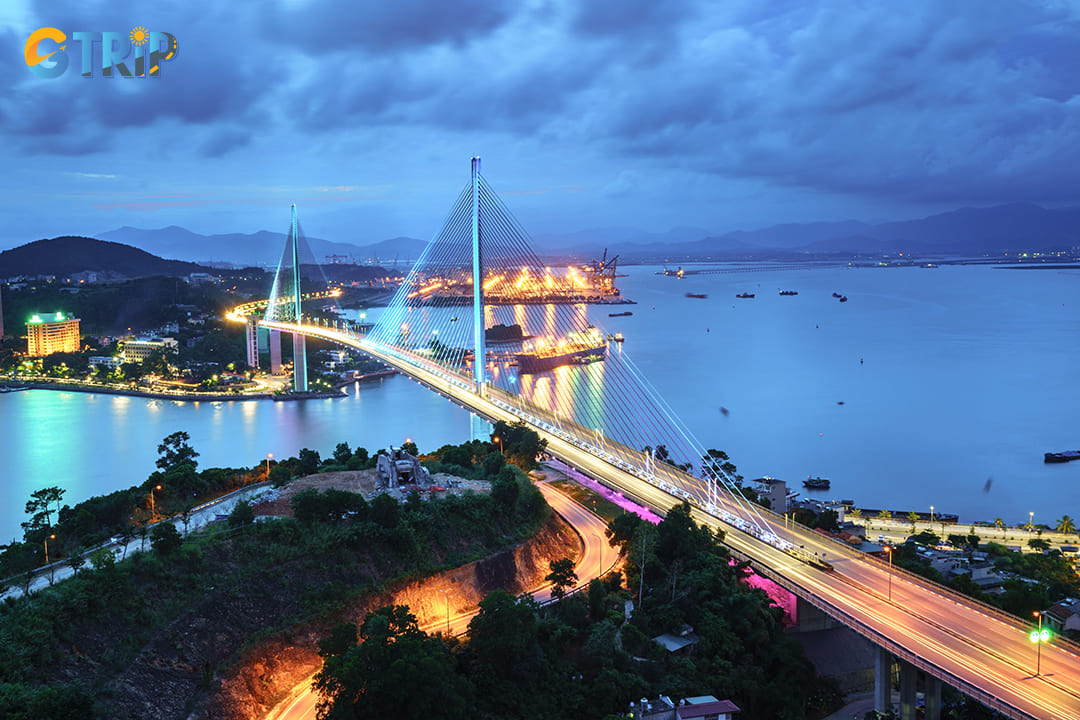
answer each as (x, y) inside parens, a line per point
(139, 36)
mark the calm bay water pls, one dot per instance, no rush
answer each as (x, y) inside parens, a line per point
(968, 374)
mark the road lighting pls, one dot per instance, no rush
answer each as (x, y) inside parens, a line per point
(931, 515)
(269, 457)
(1039, 637)
(47, 539)
(889, 550)
(153, 506)
(1031, 521)
(498, 439)
(447, 612)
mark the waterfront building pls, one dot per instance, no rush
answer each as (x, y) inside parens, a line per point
(134, 351)
(106, 361)
(45, 337)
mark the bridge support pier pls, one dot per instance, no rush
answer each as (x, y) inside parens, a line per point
(299, 352)
(275, 352)
(909, 684)
(883, 680)
(933, 699)
(252, 342)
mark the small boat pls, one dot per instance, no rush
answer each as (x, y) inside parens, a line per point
(837, 295)
(617, 337)
(700, 296)
(789, 292)
(1061, 457)
(816, 483)
(843, 298)
(622, 314)
(745, 295)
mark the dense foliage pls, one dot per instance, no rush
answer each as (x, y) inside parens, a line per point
(582, 658)
(289, 569)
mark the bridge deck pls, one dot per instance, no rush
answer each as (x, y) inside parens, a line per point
(980, 651)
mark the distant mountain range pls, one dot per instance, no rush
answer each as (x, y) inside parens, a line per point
(966, 232)
(262, 248)
(64, 256)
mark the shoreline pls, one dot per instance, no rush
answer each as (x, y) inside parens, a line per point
(189, 397)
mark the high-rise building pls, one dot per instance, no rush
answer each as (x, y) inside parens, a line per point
(45, 337)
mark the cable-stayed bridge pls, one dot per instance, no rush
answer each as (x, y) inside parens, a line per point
(476, 321)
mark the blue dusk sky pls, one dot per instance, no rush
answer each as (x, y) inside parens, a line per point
(646, 114)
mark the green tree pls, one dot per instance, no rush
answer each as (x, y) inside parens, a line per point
(165, 538)
(1066, 525)
(999, 523)
(885, 514)
(279, 475)
(175, 452)
(505, 489)
(342, 453)
(102, 559)
(395, 670)
(621, 530)
(39, 507)
(562, 577)
(241, 514)
(385, 511)
(309, 461)
(1038, 544)
(855, 513)
(913, 517)
(157, 362)
(75, 562)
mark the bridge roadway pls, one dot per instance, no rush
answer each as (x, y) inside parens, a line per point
(972, 647)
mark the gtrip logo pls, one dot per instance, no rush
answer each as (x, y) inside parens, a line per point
(115, 51)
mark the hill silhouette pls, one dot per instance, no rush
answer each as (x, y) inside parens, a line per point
(63, 256)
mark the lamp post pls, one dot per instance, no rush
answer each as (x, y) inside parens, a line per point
(447, 597)
(1039, 637)
(889, 550)
(269, 457)
(931, 515)
(1031, 521)
(47, 539)
(153, 506)
(498, 439)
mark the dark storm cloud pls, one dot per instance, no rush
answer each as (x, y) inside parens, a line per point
(323, 26)
(208, 81)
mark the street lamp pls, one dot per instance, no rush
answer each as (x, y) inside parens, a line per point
(1031, 521)
(47, 539)
(447, 612)
(269, 457)
(153, 506)
(931, 515)
(1039, 637)
(889, 550)
(498, 439)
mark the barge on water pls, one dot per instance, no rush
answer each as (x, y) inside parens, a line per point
(580, 348)
(1061, 457)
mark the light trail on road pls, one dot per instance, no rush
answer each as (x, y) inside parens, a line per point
(974, 648)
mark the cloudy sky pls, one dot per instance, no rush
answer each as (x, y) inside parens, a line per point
(651, 114)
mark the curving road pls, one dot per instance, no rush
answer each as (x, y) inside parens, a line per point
(598, 557)
(982, 652)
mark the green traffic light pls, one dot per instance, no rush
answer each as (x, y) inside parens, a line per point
(1034, 636)
(1044, 635)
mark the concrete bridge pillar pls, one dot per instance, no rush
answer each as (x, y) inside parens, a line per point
(299, 352)
(909, 685)
(253, 342)
(275, 352)
(883, 680)
(933, 699)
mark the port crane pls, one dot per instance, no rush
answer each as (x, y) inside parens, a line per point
(603, 273)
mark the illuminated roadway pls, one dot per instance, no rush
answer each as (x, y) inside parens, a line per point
(597, 558)
(972, 647)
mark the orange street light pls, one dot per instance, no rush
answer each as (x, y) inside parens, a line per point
(1039, 637)
(50, 537)
(499, 440)
(889, 550)
(447, 612)
(153, 506)
(269, 457)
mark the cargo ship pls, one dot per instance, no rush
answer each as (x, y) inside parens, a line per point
(789, 292)
(579, 348)
(744, 296)
(817, 483)
(699, 296)
(1061, 457)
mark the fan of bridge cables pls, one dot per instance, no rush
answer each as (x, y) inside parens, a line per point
(533, 310)
(282, 305)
